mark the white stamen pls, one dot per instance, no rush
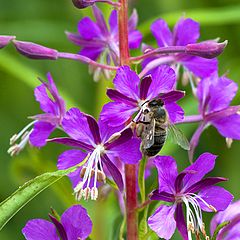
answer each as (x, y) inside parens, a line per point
(93, 168)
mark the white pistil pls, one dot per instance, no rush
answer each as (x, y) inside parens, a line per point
(24, 135)
(195, 224)
(92, 169)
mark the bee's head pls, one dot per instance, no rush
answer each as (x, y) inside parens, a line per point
(156, 103)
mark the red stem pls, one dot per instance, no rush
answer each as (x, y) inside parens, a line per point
(130, 169)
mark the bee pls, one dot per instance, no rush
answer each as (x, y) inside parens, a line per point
(154, 127)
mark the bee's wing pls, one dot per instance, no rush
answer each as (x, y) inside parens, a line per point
(148, 134)
(177, 136)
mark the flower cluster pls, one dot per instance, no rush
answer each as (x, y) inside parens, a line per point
(136, 123)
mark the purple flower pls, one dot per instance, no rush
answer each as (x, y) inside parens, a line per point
(232, 230)
(5, 40)
(189, 189)
(44, 124)
(132, 94)
(74, 224)
(97, 40)
(101, 144)
(186, 31)
(215, 109)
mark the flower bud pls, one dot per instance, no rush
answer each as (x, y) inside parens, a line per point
(4, 40)
(35, 51)
(82, 3)
(206, 49)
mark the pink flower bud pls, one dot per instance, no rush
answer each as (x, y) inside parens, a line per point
(35, 51)
(4, 40)
(82, 3)
(206, 49)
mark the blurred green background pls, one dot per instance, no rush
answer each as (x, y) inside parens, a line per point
(44, 22)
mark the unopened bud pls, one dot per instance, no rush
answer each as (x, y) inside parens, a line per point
(82, 3)
(207, 49)
(5, 40)
(35, 51)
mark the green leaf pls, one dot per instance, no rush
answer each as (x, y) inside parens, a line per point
(219, 227)
(141, 179)
(10, 206)
(143, 227)
(208, 16)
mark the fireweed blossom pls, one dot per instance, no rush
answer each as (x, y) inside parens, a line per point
(189, 189)
(53, 107)
(98, 42)
(101, 144)
(232, 230)
(214, 108)
(131, 95)
(186, 31)
(74, 224)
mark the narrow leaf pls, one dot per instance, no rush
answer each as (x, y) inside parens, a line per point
(141, 179)
(10, 206)
(219, 227)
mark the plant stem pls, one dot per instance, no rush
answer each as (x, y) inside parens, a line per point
(130, 169)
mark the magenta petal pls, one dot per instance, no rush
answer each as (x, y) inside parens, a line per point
(133, 20)
(181, 224)
(129, 152)
(119, 97)
(39, 229)
(172, 96)
(76, 222)
(167, 173)
(206, 182)
(72, 143)
(113, 22)
(144, 86)
(186, 31)
(5, 40)
(162, 33)
(46, 104)
(228, 127)
(163, 81)
(92, 52)
(135, 39)
(219, 101)
(113, 170)
(40, 133)
(69, 159)
(93, 126)
(59, 227)
(76, 126)
(126, 82)
(216, 196)
(162, 221)
(88, 29)
(116, 114)
(100, 20)
(175, 112)
(201, 67)
(203, 165)
(162, 196)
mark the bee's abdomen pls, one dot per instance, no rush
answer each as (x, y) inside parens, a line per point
(159, 140)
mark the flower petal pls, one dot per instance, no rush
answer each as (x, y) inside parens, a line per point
(76, 222)
(186, 31)
(181, 224)
(203, 165)
(162, 33)
(39, 229)
(100, 20)
(201, 67)
(76, 126)
(175, 112)
(228, 127)
(89, 29)
(129, 152)
(93, 126)
(119, 97)
(162, 196)
(172, 96)
(163, 81)
(116, 114)
(144, 86)
(113, 22)
(135, 39)
(162, 221)
(167, 173)
(216, 196)
(126, 82)
(113, 170)
(40, 133)
(69, 159)
(91, 52)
